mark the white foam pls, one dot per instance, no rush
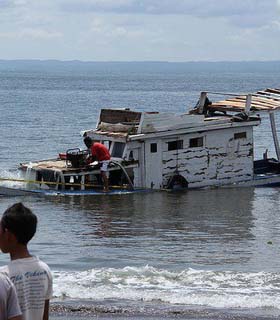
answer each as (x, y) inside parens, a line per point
(12, 175)
(221, 289)
(11, 178)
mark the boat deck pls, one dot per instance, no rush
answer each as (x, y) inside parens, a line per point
(59, 165)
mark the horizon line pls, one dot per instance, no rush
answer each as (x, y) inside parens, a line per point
(138, 61)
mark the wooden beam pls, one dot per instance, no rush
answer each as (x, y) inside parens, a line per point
(248, 103)
(274, 134)
(201, 103)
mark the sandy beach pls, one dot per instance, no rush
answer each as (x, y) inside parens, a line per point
(76, 311)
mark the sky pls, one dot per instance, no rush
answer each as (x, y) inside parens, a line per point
(140, 30)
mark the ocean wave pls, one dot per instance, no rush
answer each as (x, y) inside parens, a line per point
(218, 289)
(10, 178)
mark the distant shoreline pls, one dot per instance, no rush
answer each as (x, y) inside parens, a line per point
(136, 61)
(139, 66)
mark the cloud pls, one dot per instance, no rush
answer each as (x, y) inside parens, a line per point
(112, 27)
(5, 3)
(174, 30)
(31, 34)
(40, 34)
(248, 13)
(12, 3)
(242, 13)
(188, 7)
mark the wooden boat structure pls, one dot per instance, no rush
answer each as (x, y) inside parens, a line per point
(210, 146)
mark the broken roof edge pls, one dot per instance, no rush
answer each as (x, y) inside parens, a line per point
(262, 100)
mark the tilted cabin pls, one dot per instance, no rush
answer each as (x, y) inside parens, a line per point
(190, 150)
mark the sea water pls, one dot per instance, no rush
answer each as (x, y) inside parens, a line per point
(200, 254)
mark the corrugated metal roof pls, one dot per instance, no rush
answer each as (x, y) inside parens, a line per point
(266, 100)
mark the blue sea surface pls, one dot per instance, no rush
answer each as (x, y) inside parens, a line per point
(204, 254)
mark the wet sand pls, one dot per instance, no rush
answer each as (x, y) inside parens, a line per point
(76, 311)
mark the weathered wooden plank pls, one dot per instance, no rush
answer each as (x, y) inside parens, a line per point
(233, 106)
(119, 116)
(269, 96)
(258, 100)
(268, 99)
(269, 93)
(255, 102)
(275, 90)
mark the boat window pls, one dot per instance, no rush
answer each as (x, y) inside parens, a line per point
(175, 145)
(118, 149)
(130, 157)
(196, 142)
(240, 135)
(106, 144)
(153, 147)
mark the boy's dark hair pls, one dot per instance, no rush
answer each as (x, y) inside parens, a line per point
(21, 221)
(88, 142)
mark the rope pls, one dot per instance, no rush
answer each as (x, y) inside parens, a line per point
(72, 184)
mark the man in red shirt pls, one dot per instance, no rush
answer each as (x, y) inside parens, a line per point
(102, 155)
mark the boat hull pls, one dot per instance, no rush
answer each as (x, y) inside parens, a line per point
(258, 181)
(6, 191)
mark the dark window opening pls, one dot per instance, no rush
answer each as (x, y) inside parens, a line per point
(130, 157)
(196, 142)
(175, 145)
(240, 135)
(153, 147)
(118, 149)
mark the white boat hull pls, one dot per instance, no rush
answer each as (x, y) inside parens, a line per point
(12, 192)
(258, 181)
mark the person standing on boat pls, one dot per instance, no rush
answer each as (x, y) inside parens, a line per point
(102, 155)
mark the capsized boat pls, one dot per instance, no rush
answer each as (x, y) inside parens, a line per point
(209, 146)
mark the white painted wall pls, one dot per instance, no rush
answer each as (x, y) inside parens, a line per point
(222, 159)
